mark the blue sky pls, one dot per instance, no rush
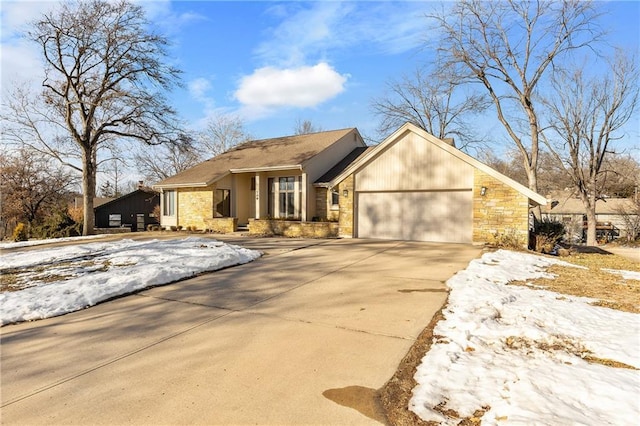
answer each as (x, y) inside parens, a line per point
(277, 62)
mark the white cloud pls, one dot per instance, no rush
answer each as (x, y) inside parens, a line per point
(199, 87)
(306, 86)
(307, 32)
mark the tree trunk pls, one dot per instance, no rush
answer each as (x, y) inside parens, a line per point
(589, 203)
(88, 190)
(591, 226)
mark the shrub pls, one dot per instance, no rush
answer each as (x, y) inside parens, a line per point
(548, 234)
(58, 224)
(19, 232)
(508, 239)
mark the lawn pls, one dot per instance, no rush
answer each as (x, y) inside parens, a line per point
(527, 339)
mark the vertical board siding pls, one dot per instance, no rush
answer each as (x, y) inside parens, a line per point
(413, 163)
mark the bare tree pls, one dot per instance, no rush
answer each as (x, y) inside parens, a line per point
(112, 171)
(104, 77)
(304, 127)
(31, 187)
(510, 47)
(630, 216)
(588, 115)
(221, 133)
(621, 175)
(434, 101)
(551, 176)
(162, 161)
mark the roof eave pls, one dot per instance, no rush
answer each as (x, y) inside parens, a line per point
(267, 169)
(408, 127)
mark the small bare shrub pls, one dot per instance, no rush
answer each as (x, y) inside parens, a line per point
(548, 233)
(20, 232)
(508, 239)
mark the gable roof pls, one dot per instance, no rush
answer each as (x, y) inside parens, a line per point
(148, 191)
(343, 164)
(283, 153)
(369, 155)
(574, 206)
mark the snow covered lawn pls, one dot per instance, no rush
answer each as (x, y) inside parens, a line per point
(509, 354)
(55, 281)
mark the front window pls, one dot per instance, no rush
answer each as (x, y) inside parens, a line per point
(335, 198)
(115, 220)
(169, 203)
(222, 203)
(284, 197)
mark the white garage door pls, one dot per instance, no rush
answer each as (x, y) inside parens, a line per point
(417, 216)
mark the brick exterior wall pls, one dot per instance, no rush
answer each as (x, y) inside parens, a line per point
(501, 211)
(345, 216)
(194, 206)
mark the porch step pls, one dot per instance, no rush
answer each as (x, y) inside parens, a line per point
(243, 228)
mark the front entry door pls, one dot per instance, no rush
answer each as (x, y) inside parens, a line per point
(140, 222)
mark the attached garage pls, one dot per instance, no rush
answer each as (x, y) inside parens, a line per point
(414, 186)
(416, 216)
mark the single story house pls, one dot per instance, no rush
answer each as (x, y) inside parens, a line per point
(411, 186)
(615, 217)
(135, 210)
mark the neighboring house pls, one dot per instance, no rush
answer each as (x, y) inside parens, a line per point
(612, 216)
(78, 202)
(134, 210)
(412, 186)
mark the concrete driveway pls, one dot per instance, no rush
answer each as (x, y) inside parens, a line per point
(303, 335)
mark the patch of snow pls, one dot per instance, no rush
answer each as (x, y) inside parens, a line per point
(519, 352)
(116, 268)
(30, 243)
(627, 275)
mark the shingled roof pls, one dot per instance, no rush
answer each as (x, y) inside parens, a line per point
(289, 152)
(574, 206)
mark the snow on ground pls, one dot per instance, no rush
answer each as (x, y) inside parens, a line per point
(55, 281)
(31, 243)
(627, 275)
(519, 353)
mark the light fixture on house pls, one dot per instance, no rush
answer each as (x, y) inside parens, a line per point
(345, 193)
(483, 191)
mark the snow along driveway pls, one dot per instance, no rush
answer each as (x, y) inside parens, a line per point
(520, 355)
(55, 281)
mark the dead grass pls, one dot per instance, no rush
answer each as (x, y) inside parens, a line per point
(610, 291)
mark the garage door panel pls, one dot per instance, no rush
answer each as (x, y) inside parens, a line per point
(417, 216)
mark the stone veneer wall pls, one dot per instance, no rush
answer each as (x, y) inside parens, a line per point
(194, 206)
(345, 216)
(321, 203)
(501, 211)
(222, 225)
(323, 206)
(290, 228)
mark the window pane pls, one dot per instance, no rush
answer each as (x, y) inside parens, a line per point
(290, 205)
(223, 203)
(283, 205)
(270, 197)
(335, 197)
(169, 203)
